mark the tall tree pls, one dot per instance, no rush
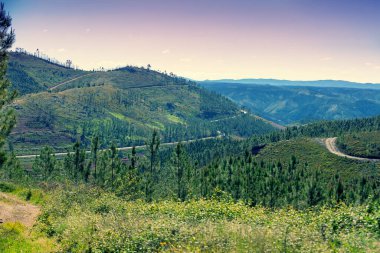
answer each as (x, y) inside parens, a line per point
(153, 147)
(79, 161)
(94, 153)
(46, 162)
(179, 162)
(113, 165)
(7, 117)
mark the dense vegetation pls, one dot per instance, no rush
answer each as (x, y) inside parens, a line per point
(85, 219)
(364, 144)
(298, 105)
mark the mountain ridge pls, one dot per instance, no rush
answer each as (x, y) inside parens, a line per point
(309, 83)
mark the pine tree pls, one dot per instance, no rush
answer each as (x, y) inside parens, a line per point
(113, 164)
(153, 148)
(46, 162)
(180, 171)
(79, 162)
(94, 153)
(7, 117)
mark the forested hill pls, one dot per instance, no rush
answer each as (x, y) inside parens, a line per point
(59, 105)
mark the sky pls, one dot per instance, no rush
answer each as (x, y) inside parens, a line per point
(209, 39)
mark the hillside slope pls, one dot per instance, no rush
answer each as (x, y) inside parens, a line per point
(122, 106)
(30, 74)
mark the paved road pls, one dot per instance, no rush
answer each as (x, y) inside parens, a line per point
(331, 146)
(124, 148)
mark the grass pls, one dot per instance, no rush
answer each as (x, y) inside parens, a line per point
(37, 195)
(16, 238)
(175, 119)
(85, 219)
(365, 144)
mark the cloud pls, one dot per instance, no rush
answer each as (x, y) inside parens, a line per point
(45, 30)
(166, 51)
(326, 58)
(61, 50)
(372, 65)
(185, 60)
(88, 30)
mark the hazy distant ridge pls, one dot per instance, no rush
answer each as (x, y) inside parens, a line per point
(316, 83)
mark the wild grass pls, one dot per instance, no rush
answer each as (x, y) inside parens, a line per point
(16, 238)
(86, 219)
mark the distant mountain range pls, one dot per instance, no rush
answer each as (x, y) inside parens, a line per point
(292, 104)
(317, 83)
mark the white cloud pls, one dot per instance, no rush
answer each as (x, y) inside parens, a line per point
(326, 58)
(185, 60)
(61, 50)
(372, 65)
(166, 51)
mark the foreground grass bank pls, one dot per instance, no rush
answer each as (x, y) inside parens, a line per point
(84, 219)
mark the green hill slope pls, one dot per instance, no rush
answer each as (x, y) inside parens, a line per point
(366, 144)
(122, 106)
(30, 74)
(313, 152)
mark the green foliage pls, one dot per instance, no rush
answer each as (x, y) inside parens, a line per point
(7, 187)
(45, 163)
(14, 237)
(364, 144)
(86, 219)
(7, 117)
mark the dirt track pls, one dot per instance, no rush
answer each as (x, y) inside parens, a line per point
(15, 210)
(68, 81)
(330, 144)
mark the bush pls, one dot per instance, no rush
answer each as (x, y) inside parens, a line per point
(7, 187)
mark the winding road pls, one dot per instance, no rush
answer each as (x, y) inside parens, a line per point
(330, 144)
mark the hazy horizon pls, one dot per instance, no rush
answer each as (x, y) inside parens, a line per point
(200, 40)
